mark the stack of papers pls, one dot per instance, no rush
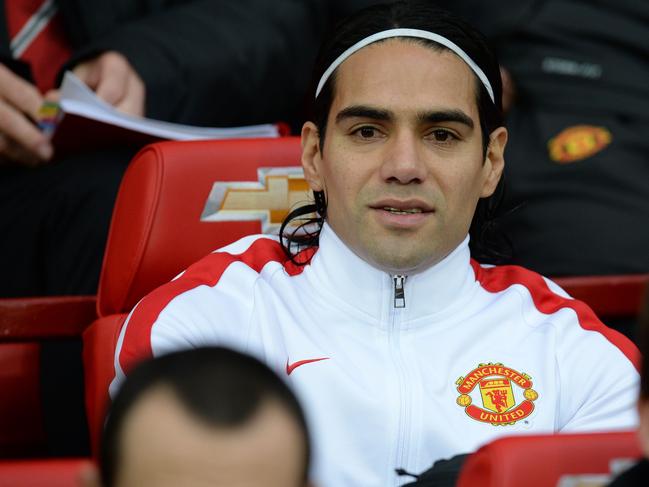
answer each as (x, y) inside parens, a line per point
(84, 121)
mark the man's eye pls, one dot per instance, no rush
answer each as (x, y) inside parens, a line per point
(441, 135)
(367, 132)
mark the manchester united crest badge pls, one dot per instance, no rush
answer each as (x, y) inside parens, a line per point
(506, 394)
(578, 142)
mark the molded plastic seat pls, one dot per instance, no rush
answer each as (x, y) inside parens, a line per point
(544, 460)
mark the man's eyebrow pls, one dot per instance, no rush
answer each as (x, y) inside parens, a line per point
(446, 116)
(362, 111)
(436, 116)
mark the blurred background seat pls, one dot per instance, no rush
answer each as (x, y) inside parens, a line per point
(609, 296)
(546, 460)
(42, 473)
(25, 324)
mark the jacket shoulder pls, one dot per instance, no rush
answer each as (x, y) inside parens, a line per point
(548, 298)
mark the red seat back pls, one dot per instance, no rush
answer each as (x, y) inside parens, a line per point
(24, 324)
(42, 473)
(22, 430)
(99, 342)
(609, 296)
(159, 228)
(543, 460)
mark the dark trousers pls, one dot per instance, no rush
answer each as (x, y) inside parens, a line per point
(54, 222)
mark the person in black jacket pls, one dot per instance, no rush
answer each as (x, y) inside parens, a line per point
(578, 158)
(214, 63)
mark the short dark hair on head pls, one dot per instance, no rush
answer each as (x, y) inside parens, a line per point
(413, 14)
(216, 385)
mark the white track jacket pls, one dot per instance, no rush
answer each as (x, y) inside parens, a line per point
(398, 371)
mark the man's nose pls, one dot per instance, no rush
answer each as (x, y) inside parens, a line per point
(403, 160)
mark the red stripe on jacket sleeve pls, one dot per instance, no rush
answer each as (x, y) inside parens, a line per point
(497, 279)
(136, 345)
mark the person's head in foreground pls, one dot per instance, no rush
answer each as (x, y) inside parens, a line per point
(208, 416)
(406, 136)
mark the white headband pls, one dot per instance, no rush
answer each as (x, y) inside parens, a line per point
(422, 34)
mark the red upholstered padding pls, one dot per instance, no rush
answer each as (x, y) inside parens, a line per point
(99, 343)
(156, 230)
(42, 473)
(541, 460)
(608, 296)
(21, 421)
(24, 323)
(45, 317)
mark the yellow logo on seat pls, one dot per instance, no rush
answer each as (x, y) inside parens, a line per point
(269, 200)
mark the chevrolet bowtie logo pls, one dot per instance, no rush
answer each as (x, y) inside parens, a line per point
(269, 200)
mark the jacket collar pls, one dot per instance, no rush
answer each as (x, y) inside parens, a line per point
(337, 270)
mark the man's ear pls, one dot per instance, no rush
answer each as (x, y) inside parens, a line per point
(311, 156)
(643, 430)
(89, 476)
(494, 161)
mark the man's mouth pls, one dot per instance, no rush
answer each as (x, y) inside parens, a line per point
(402, 211)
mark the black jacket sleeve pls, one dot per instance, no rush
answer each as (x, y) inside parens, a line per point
(218, 62)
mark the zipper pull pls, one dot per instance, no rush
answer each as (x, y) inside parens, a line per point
(399, 295)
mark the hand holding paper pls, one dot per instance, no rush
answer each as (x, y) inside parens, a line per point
(20, 139)
(114, 80)
(85, 122)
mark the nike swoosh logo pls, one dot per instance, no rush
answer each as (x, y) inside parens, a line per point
(291, 367)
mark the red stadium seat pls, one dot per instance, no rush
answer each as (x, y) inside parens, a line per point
(545, 460)
(608, 296)
(29, 319)
(42, 473)
(157, 229)
(22, 431)
(24, 324)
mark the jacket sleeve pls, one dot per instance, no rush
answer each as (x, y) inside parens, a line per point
(218, 62)
(598, 372)
(211, 303)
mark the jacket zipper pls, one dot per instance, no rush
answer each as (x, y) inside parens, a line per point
(398, 304)
(399, 293)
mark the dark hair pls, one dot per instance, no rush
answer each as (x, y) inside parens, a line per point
(216, 385)
(485, 243)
